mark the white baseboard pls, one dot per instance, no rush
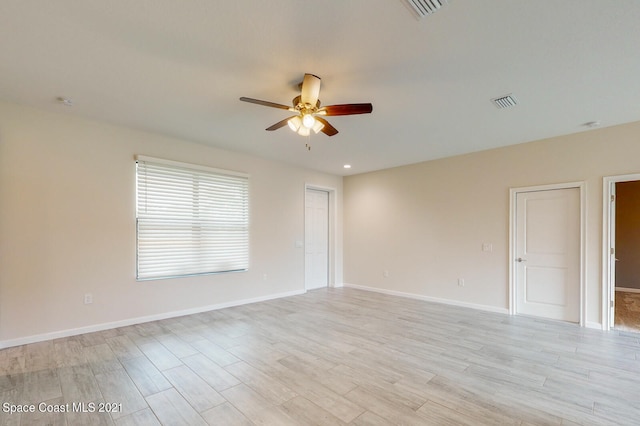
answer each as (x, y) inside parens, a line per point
(594, 325)
(628, 290)
(430, 299)
(139, 320)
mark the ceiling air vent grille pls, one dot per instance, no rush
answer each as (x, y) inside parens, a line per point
(506, 101)
(423, 8)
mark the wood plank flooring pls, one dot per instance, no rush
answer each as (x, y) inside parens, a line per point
(329, 357)
(627, 311)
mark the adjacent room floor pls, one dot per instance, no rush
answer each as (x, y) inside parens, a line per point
(331, 356)
(627, 311)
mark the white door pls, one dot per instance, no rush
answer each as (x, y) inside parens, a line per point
(547, 257)
(316, 238)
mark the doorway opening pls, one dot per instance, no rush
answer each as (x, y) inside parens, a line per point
(621, 253)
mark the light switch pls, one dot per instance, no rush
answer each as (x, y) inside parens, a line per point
(487, 247)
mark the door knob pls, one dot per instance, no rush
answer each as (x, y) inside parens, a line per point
(521, 260)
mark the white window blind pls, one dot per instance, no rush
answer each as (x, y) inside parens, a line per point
(190, 219)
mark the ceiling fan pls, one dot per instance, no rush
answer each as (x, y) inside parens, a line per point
(309, 115)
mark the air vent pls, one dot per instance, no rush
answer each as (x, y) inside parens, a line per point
(506, 101)
(423, 8)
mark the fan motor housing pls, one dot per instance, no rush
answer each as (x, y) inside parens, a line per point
(299, 106)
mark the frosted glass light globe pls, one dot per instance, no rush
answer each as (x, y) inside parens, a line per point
(308, 121)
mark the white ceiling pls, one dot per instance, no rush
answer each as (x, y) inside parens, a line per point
(179, 67)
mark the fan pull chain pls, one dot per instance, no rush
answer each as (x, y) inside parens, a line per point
(308, 144)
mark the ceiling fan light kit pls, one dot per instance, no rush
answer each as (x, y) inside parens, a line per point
(309, 114)
(304, 124)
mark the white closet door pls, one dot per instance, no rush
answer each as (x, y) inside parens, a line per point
(316, 239)
(548, 254)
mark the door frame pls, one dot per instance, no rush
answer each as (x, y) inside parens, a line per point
(608, 185)
(331, 259)
(513, 192)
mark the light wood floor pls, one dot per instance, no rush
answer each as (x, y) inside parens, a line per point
(331, 357)
(627, 311)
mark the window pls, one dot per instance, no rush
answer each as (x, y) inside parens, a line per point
(190, 219)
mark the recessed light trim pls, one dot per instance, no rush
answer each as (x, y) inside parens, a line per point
(347, 166)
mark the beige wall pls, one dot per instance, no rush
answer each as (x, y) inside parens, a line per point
(426, 223)
(67, 223)
(628, 234)
(67, 226)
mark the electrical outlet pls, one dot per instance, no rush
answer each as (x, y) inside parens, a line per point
(88, 298)
(460, 282)
(385, 273)
(264, 277)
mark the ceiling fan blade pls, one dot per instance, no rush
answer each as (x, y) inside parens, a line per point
(328, 129)
(310, 89)
(279, 124)
(346, 109)
(266, 103)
